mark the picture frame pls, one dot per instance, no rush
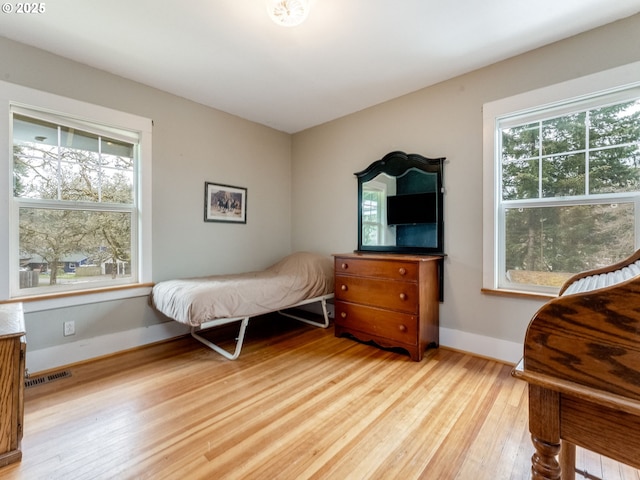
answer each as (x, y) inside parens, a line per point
(224, 203)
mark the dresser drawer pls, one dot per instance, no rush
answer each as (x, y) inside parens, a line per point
(391, 270)
(402, 296)
(395, 326)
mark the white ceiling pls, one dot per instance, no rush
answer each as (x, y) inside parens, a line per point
(348, 55)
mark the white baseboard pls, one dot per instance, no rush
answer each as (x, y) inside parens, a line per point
(69, 353)
(489, 347)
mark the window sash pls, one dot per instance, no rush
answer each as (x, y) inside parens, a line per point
(582, 154)
(132, 208)
(502, 280)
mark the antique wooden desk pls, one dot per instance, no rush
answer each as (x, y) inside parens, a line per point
(582, 363)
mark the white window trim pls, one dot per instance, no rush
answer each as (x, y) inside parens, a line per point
(11, 94)
(617, 78)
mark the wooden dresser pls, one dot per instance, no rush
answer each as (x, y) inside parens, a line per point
(12, 364)
(389, 299)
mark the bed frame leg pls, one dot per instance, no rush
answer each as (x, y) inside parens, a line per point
(245, 321)
(324, 324)
(217, 348)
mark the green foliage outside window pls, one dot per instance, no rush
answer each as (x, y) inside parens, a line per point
(568, 185)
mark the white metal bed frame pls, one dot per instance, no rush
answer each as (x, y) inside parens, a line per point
(244, 321)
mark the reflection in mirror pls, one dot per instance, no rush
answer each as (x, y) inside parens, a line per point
(400, 205)
(375, 230)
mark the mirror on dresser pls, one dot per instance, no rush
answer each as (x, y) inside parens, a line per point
(400, 205)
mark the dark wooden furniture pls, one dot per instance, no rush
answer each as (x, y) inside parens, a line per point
(582, 363)
(401, 205)
(12, 364)
(389, 299)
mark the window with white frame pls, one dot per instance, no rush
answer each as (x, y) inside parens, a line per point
(78, 205)
(566, 188)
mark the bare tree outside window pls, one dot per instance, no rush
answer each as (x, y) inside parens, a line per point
(75, 191)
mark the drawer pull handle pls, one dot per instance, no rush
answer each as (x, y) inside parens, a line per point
(403, 296)
(344, 266)
(402, 328)
(343, 314)
(402, 271)
(344, 288)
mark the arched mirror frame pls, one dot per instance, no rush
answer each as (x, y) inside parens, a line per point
(395, 165)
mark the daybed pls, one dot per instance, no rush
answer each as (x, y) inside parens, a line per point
(205, 302)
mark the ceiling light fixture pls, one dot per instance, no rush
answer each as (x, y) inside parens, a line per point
(288, 13)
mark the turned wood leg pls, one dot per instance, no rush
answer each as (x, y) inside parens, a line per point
(544, 465)
(544, 425)
(568, 461)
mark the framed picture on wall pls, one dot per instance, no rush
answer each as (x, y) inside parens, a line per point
(224, 203)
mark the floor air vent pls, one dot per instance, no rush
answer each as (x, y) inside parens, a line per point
(32, 382)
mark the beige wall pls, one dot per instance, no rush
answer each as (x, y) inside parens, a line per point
(443, 120)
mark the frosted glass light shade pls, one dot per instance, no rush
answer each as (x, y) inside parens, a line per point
(288, 13)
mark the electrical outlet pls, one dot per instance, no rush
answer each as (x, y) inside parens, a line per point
(69, 328)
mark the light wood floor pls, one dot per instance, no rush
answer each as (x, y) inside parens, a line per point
(298, 404)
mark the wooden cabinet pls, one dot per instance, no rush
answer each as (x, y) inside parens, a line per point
(12, 364)
(389, 299)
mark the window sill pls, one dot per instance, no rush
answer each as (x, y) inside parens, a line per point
(38, 303)
(518, 294)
